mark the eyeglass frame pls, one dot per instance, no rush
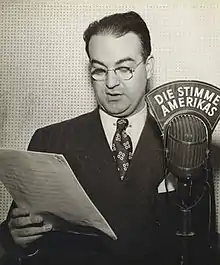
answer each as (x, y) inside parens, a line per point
(131, 70)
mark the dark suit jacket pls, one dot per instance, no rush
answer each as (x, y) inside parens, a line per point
(143, 222)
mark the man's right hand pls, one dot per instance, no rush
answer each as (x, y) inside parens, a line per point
(25, 228)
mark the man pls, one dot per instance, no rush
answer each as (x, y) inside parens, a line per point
(116, 153)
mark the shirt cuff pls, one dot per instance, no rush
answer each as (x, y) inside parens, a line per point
(27, 256)
(32, 254)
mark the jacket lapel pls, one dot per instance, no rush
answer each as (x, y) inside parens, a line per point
(93, 150)
(147, 162)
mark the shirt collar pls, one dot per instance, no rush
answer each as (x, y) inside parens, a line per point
(135, 127)
(137, 118)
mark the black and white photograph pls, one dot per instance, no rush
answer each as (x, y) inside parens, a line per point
(109, 132)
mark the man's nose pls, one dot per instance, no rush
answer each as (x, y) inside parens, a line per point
(112, 79)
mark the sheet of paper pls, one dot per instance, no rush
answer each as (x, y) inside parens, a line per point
(44, 183)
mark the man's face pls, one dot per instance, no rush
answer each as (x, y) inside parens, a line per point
(116, 96)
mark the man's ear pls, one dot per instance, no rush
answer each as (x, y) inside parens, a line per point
(149, 66)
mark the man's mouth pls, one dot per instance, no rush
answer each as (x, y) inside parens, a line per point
(114, 96)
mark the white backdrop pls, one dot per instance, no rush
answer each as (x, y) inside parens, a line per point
(43, 66)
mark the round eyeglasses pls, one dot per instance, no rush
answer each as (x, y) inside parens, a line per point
(122, 72)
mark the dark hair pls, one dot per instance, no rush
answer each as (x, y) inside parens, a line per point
(118, 25)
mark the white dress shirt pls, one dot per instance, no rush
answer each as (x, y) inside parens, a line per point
(135, 126)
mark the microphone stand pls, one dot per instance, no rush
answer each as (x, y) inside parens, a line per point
(186, 204)
(185, 232)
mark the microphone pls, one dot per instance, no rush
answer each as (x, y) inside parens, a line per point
(187, 156)
(186, 146)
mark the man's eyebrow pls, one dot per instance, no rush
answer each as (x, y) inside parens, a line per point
(92, 61)
(126, 59)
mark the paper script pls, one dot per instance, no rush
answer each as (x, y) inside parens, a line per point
(44, 183)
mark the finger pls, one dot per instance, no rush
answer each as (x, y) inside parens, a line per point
(19, 212)
(31, 231)
(24, 241)
(25, 221)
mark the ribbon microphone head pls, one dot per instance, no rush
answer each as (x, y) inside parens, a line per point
(186, 146)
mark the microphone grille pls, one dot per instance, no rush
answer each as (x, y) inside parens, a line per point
(187, 141)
